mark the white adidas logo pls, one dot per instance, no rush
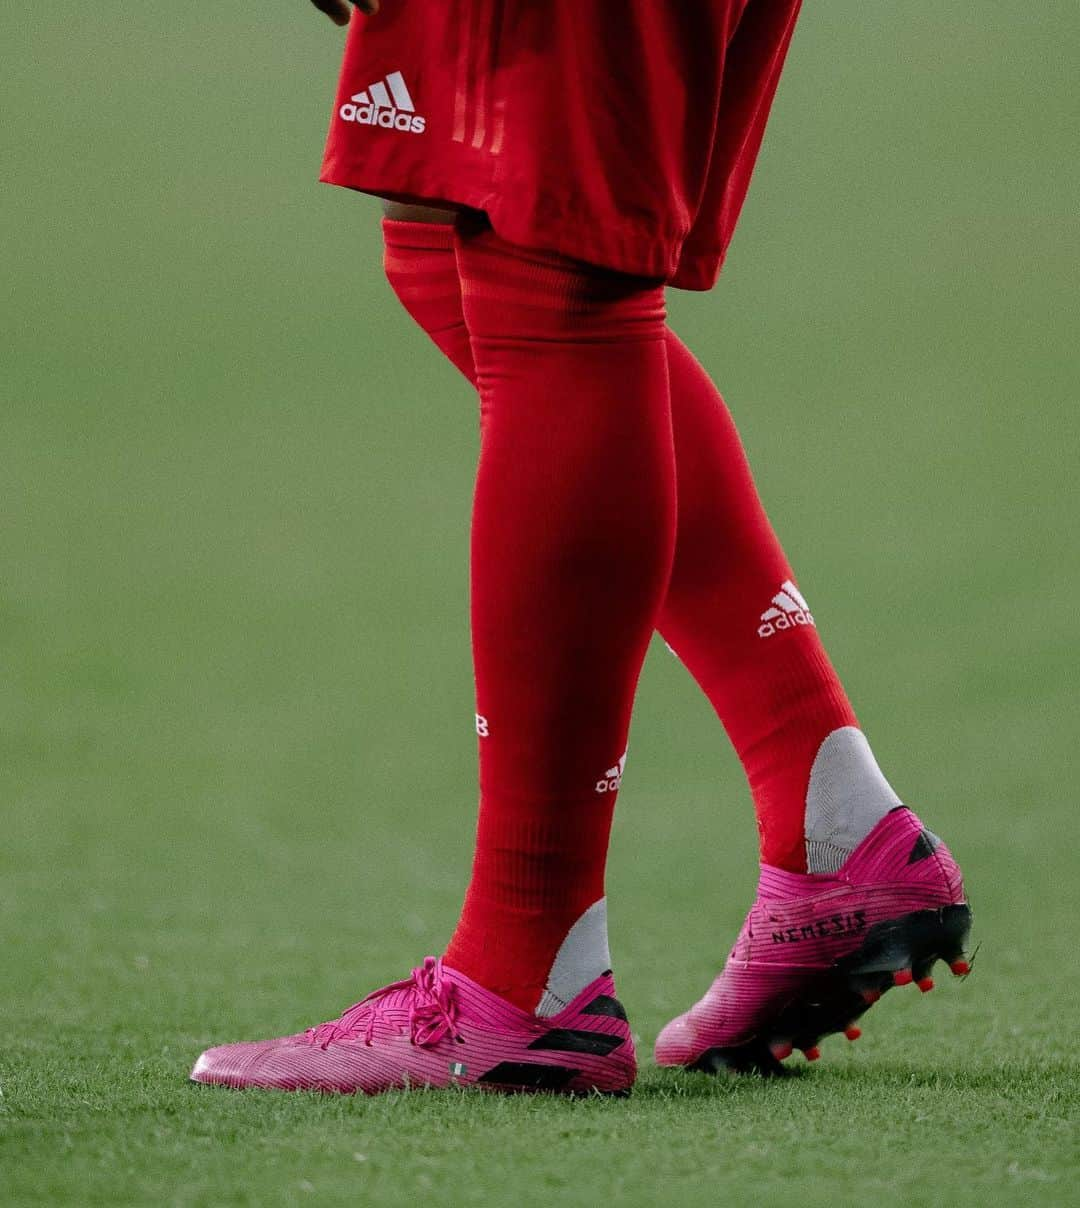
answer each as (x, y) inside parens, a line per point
(789, 609)
(384, 103)
(612, 777)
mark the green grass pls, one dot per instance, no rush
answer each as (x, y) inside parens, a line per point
(236, 758)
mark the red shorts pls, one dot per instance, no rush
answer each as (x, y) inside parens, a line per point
(623, 135)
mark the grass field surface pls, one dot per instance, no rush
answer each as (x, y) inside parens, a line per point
(237, 778)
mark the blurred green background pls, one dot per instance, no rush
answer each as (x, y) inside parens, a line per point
(236, 748)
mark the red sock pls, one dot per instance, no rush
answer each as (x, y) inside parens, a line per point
(778, 696)
(573, 535)
(421, 267)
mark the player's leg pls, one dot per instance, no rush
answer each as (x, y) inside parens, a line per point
(573, 533)
(854, 892)
(573, 537)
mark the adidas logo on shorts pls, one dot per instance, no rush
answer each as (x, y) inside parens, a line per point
(385, 103)
(788, 611)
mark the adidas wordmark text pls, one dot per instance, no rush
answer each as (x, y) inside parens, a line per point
(386, 103)
(788, 610)
(612, 777)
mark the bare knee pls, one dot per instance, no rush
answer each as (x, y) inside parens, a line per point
(400, 211)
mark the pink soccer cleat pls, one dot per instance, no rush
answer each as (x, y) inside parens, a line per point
(816, 951)
(438, 1028)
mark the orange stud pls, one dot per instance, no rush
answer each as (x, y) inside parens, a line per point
(903, 977)
(812, 1054)
(781, 1051)
(852, 1032)
(871, 996)
(960, 968)
(925, 984)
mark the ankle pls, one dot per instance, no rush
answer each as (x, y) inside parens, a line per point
(544, 982)
(847, 796)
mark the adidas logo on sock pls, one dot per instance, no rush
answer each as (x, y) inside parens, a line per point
(385, 103)
(789, 610)
(612, 777)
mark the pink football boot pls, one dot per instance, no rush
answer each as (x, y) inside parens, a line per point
(438, 1028)
(816, 951)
